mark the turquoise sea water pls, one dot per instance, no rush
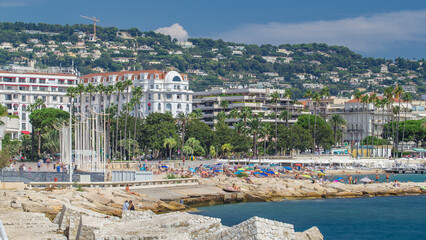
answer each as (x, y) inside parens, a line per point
(356, 218)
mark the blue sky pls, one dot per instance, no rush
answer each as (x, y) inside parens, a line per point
(377, 28)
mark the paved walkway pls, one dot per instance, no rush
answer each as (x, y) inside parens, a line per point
(176, 193)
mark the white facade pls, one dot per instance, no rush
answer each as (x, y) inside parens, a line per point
(20, 89)
(366, 120)
(162, 91)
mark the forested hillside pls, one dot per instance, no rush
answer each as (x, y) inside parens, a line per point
(208, 62)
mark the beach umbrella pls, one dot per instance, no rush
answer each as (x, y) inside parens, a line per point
(339, 178)
(365, 180)
(191, 169)
(270, 172)
(263, 174)
(238, 172)
(288, 168)
(251, 165)
(249, 168)
(264, 170)
(298, 164)
(306, 176)
(240, 169)
(164, 167)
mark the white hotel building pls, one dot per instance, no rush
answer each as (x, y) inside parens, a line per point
(23, 86)
(162, 91)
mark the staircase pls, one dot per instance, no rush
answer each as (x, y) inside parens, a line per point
(25, 225)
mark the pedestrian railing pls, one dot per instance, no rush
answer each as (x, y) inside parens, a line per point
(3, 235)
(141, 184)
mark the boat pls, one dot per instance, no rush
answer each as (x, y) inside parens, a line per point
(229, 189)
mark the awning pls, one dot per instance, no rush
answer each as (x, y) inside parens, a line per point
(419, 150)
(26, 132)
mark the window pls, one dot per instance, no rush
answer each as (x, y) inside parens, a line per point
(54, 98)
(177, 96)
(15, 96)
(35, 97)
(168, 107)
(42, 80)
(156, 86)
(149, 107)
(15, 107)
(9, 97)
(24, 116)
(43, 98)
(22, 80)
(187, 97)
(43, 88)
(34, 88)
(87, 99)
(179, 106)
(93, 98)
(159, 107)
(32, 80)
(185, 87)
(176, 79)
(24, 108)
(61, 99)
(159, 96)
(149, 96)
(187, 107)
(9, 79)
(151, 87)
(169, 96)
(9, 106)
(24, 126)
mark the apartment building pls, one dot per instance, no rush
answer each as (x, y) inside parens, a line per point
(162, 91)
(258, 100)
(22, 86)
(365, 119)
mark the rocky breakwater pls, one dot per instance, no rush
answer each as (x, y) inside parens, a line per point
(268, 189)
(28, 214)
(82, 224)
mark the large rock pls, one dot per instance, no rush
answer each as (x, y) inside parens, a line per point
(312, 233)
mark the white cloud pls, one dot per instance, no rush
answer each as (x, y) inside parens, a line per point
(367, 33)
(175, 31)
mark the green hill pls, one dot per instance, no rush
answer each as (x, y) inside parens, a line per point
(208, 62)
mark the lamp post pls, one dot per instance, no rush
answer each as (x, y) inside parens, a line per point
(70, 140)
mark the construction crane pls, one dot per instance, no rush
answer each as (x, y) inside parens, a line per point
(94, 25)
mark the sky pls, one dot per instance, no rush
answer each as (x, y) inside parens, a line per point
(373, 28)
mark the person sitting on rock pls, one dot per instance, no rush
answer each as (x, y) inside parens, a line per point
(249, 180)
(131, 206)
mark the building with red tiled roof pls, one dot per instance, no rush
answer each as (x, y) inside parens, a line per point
(21, 87)
(163, 91)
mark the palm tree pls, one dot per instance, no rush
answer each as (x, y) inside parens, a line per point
(72, 92)
(170, 143)
(254, 126)
(80, 90)
(309, 95)
(224, 104)
(239, 126)
(221, 117)
(406, 97)
(275, 96)
(245, 114)
(364, 101)
(325, 92)
(226, 148)
(336, 121)
(388, 93)
(284, 116)
(317, 98)
(379, 105)
(137, 94)
(119, 87)
(183, 119)
(395, 110)
(127, 85)
(357, 95)
(3, 113)
(233, 114)
(90, 89)
(398, 92)
(372, 100)
(110, 89)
